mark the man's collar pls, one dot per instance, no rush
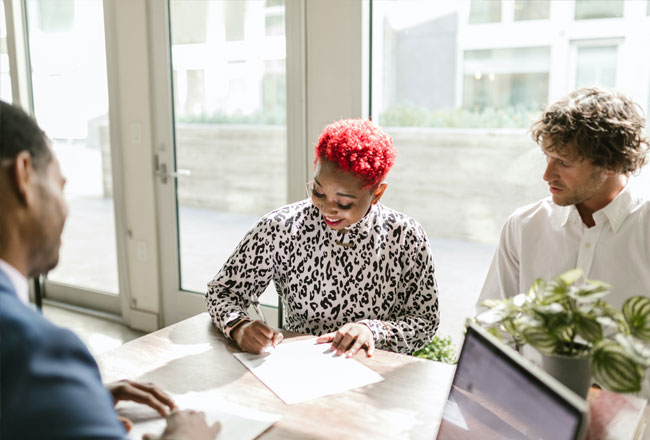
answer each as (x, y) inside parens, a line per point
(18, 280)
(568, 214)
(615, 211)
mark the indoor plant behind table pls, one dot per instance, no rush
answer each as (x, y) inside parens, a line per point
(568, 318)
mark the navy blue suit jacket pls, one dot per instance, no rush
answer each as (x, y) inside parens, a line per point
(50, 387)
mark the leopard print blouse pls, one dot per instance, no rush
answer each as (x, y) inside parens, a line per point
(379, 272)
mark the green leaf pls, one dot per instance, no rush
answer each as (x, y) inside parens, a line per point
(571, 276)
(635, 348)
(614, 369)
(540, 339)
(550, 309)
(592, 287)
(439, 349)
(493, 316)
(636, 311)
(588, 327)
(538, 287)
(490, 303)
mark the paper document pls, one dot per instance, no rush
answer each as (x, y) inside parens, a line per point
(303, 370)
(237, 422)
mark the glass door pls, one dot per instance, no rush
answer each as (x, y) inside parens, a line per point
(67, 55)
(5, 78)
(228, 94)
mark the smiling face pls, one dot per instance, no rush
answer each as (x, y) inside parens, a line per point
(340, 197)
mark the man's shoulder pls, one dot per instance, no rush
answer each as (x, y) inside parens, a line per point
(26, 331)
(542, 209)
(640, 205)
(49, 375)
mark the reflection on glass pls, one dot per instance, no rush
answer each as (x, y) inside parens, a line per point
(590, 9)
(68, 59)
(513, 80)
(484, 11)
(229, 84)
(532, 9)
(5, 78)
(596, 65)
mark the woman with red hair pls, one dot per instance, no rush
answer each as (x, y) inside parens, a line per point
(346, 268)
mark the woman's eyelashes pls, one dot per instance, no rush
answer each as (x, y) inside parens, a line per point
(322, 196)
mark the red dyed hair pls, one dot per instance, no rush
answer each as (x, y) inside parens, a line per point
(359, 147)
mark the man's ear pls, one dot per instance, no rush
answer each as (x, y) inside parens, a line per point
(376, 195)
(23, 176)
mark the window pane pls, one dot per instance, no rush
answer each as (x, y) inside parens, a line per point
(485, 11)
(458, 99)
(234, 19)
(5, 78)
(532, 9)
(68, 59)
(596, 66)
(589, 9)
(230, 113)
(515, 81)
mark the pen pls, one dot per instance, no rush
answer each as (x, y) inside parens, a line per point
(258, 309)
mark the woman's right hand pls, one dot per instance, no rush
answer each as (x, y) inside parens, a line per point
(255, 336)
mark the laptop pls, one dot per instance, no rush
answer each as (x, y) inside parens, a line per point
(498, 394)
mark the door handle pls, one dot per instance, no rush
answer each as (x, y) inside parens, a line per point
(164, 174)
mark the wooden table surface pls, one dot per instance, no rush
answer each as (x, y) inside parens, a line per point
(193, 355)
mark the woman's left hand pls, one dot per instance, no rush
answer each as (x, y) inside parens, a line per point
(349, 339)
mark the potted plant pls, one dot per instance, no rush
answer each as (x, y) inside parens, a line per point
(567, 319)
(440, 349)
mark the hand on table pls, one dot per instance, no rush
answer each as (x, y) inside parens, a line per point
(349, 339)
(147, 394)
(185, 425)
(255, 336)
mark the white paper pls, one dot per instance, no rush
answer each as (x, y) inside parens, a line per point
(237, 422)
(303, 370)
(453, 415)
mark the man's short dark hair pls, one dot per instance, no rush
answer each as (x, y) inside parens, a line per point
(20, 132)
(596, 124)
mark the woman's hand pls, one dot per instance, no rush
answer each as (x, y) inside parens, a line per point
(255, 336)
(349, 339)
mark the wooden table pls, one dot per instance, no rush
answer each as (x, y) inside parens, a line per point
(193, 355)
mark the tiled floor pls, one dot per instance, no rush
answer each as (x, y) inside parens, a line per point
(97, 333)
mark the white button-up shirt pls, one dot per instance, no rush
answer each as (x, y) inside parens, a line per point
(18, 280)
(543, 240)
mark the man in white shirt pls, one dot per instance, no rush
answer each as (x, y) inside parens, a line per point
(593, 140)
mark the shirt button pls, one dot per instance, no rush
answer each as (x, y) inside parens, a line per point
(587, 245)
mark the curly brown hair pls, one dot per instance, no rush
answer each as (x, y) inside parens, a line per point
(596, 124)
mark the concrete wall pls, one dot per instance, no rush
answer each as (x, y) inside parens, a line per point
(460, 184)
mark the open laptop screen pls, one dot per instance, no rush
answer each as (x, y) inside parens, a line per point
(496, 394)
